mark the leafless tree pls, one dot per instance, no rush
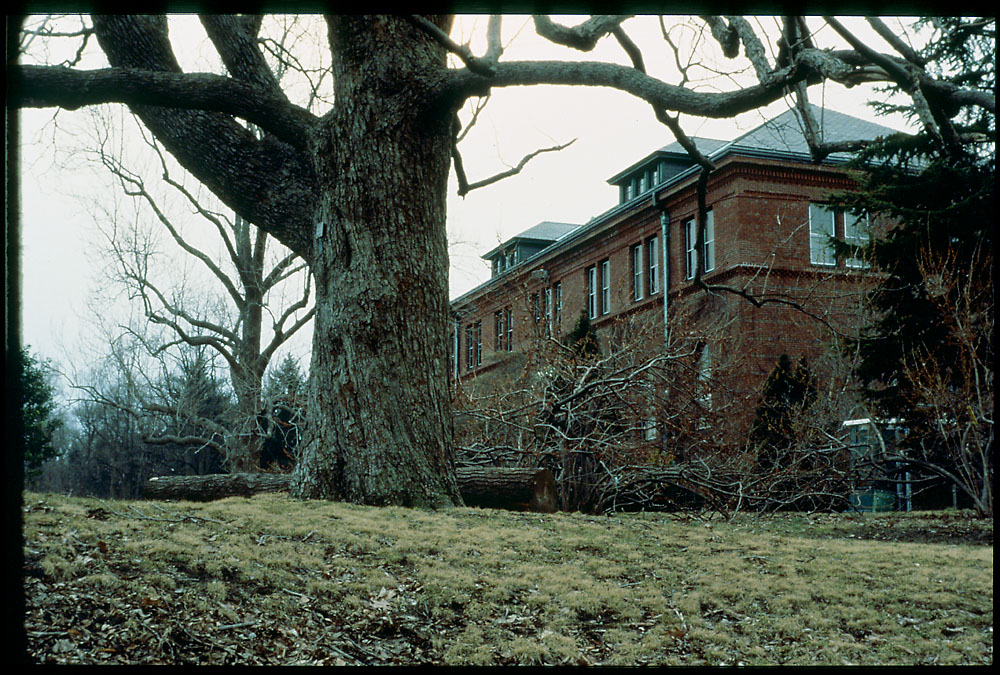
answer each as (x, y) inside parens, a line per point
(358, 189)
(956, 446)
(245, 321)
(653, 425)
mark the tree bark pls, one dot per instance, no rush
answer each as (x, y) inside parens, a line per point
(380, 430)
(501, 488)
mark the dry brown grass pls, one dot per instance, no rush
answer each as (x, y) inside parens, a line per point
(276, 581)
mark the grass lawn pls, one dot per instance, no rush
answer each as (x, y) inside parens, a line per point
(272, 580)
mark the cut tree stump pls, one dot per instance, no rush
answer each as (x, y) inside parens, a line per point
(515, 489)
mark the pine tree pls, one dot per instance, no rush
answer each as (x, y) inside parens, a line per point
(40, 420)
(932, 332)
(285, 396)
(787, 395)
(583, 338)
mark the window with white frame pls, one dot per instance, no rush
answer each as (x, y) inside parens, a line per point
(709, 247)
(605, 286)
(592, 292)
(653, 258)
(649, 430)
(509, 323)
(470, 359)
(704, 368)
(690, 247)
(822, 226)
(557, 299)
(474, 344)
(547, 305)
(856, 233)
(637, 272)
(500, 330)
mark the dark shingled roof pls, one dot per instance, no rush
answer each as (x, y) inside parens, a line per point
(780, 136)
(783, 134)
(546, 230)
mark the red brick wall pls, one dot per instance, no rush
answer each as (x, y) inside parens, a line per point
(761, 212)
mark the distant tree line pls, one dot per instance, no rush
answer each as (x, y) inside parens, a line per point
(118, 434)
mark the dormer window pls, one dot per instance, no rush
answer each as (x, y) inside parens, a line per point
(511, 257)
(526, 245)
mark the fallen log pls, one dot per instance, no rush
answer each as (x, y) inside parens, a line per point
(514, 489)
(214, 486)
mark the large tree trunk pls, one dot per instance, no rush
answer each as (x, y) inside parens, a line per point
(379, 428)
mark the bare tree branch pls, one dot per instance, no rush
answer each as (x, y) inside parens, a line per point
(631, 48)
(464, 187)
(895, 41)
(583, 37)
(235, 38)
(50, 86)
(752, 48)
(479, 65)
(907, 76)
(726, 35)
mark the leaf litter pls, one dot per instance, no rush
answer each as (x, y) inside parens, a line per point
(272, 581)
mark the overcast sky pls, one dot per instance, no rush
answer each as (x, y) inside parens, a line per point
(612, 130)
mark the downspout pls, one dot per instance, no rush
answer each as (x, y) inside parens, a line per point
(455, 345)
(665, 287)
(664, 237)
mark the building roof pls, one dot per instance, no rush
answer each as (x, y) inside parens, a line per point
(779, 137)
(545, 231)
(783, 134)
(673, 152)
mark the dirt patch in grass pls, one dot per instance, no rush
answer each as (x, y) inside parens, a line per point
(270, 580)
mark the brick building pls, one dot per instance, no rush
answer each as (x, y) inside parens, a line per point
(766, 234)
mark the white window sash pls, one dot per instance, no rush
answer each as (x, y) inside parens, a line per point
(549, 310)
(509, 321)
(653, 256)
(709, 241)
(822, 226)
(856, 233)
(469, 362)
(605, 286)
(592, 292)
(637, 268)
(691, 250)
(558, 303)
